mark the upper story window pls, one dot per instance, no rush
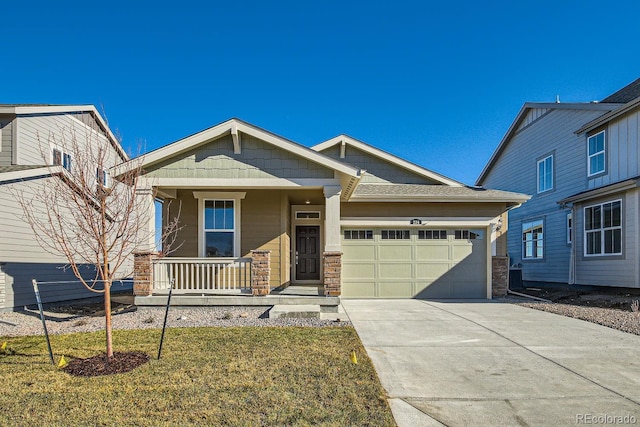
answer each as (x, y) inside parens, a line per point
(533, 240)
(569, 228)
(219, 228)
(603, 229)
(545, 174)
(596, 151)
(60, 158)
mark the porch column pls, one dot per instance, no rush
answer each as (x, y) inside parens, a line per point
(260, 272)
(143, 273)
(332, 255)
(147, 216)
(332, 241)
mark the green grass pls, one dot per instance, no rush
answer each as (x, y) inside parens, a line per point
(207, 376)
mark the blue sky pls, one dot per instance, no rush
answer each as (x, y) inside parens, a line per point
(437, 83)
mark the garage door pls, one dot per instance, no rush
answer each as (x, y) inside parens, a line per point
(414, 263)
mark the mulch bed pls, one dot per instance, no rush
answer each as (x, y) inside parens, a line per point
(100, 365)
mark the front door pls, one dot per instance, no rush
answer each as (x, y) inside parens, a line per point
(308, 252)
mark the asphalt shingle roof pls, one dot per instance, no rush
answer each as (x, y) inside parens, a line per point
(432, 191)
(624, 95)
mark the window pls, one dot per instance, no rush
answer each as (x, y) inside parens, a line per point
(432, 234)
(596, 153)
(219, 228)
(467, 234)
(308, 215)
(60, 158)
(603, 229)
(358, 234)
(103, 178)
(532, 240)
(394, 234)
(569, 227)
(545, 174)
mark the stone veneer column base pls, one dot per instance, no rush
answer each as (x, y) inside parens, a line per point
(332, 272)
(143, 273)
(260, 272)
(499, 276)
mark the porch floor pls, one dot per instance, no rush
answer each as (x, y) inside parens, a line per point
(292, 295)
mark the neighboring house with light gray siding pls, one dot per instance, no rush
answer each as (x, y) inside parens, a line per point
(581, 164)
(29, 134)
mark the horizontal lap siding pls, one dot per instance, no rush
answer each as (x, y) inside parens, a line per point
(611, 271)
(36, 135)
(516, 170)
(421, 210)
(186, 243)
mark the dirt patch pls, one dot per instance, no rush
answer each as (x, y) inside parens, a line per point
(619, 299)
(101, 365)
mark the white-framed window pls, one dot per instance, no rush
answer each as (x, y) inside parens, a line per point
(394, 234)
(60, 158)
(596, 153)
(545, 174)
(358, 234)
(219, 223)
(308, 215)
(468, 235)
(103, 178)
(432, 234)
(569, 228)
(533, 239)
(219, 228)
(603, 229)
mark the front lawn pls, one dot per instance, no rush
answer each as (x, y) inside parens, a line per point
(207, 376)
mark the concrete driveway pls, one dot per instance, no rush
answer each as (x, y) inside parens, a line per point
(482, 363)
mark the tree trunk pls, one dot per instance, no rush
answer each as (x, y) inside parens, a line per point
(107, 317)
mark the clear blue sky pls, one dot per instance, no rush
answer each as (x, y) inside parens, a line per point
(437, 83)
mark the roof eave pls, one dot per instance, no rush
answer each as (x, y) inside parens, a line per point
(611, 115)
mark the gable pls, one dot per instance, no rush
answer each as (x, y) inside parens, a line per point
(257, 159)
(532, 115)
(377, 170)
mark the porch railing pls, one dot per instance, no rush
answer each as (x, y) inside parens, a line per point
(202, 275)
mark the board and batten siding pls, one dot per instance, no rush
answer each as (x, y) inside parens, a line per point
(377, 170)
(622, 151)
(37, 134)
(618, 271)
(6, 140)
(258, 159)
(552, 133)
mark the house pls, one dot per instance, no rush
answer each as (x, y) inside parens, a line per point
(34, 149)
(581, 163)
(261, 213)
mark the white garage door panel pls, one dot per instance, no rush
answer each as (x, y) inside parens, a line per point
(414, 268)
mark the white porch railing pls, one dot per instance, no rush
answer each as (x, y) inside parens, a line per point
(202, 275)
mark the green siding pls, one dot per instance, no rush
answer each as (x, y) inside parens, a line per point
(258, 159)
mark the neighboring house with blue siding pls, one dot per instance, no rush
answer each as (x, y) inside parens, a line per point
(34, 149)
(581, 164)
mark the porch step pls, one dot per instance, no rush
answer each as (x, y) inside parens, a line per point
(294, 311)
(327, 304)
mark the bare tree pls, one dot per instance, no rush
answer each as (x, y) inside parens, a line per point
(89, 217)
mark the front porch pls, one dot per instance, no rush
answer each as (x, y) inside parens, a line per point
(241, 281)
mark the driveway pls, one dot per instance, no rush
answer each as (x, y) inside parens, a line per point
(481, 363)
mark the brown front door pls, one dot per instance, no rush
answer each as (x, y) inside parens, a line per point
(308, 252)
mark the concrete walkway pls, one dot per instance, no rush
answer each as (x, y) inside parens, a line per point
(482, 363)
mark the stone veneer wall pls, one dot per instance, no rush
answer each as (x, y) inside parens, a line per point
(499, 276)
(260, 272)
(143, 273)
(332, 263)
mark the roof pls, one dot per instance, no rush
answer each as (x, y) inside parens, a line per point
(21, 109)
(606, 190)
(523, 113)
(233, 126)
(18, 173)
(434, 193)
(15, 168)
(629, 106)
(346, 139)
(626, 94)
